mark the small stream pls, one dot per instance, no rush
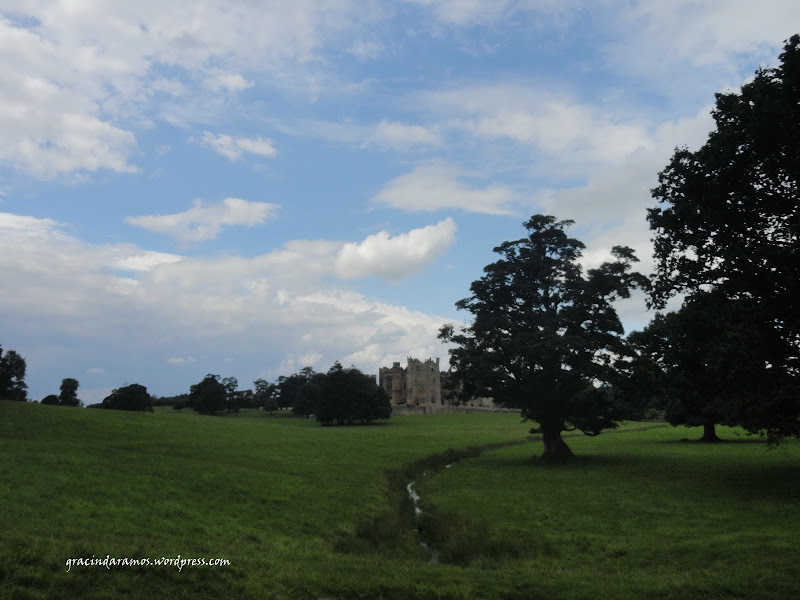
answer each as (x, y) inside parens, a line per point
(414, 496)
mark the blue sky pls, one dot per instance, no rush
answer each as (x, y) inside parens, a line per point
(248, 188)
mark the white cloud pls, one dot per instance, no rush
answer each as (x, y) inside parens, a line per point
(181, 360)
(51, 123)
(76, 80)
(20, 226)
(435, 186)
(400, 136)
(559, 130)
(386, 135)
(232, 83)
(709, 33)
(261, 309)
(205, 221)
(394, 258)
(233, 148)
(616, 195)
(131, 258)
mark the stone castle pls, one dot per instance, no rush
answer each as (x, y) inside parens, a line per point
(417, 388)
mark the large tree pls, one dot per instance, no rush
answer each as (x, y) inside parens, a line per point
(130, 397)
(288, 390)
(728, 217)
(347, 396)
(12, 376)
(208, 396)
(721, 362)
(69, 392)
(544, 337)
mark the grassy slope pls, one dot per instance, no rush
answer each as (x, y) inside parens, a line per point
(275, 496)
(636, 515)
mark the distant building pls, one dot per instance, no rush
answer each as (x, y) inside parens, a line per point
(418, 388)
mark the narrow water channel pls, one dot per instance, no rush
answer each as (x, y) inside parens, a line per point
(414, 496)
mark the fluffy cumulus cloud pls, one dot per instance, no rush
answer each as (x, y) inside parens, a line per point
(436, 186)
(394, 258)
(233, 148)
(205, 221)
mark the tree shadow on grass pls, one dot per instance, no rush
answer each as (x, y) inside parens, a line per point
(754, 439)
(701, 474)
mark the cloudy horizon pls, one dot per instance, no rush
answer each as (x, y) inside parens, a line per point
(251, 189)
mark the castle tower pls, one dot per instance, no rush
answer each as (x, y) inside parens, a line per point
(416, 386)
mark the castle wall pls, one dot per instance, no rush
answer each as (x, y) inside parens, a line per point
(418, 384)
(417, 389)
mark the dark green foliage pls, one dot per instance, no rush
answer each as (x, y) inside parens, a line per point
(545, 338)
(263, 391)
(171, 400)
(247, 399)
(270, 404)
(348, 396)
(730, 211)
(130, 397)
(12, 376)
(721, 362)
(288, 389)
(208, 396)
(69, 392)
(309, 396)
(342, 396)
(729, 218)
(231, 399)
(52, 399)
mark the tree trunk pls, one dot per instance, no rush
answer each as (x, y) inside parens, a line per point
(555, 447)
(709, 433)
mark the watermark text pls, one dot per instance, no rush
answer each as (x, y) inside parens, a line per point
(112, 562)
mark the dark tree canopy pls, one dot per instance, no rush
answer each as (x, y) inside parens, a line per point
(208, 396)
(544, 337)
(348, 396)
(729, 213)
(729, 216)
(69, 392)
(722, 362)
(131, 397)
(308, 390)
(12, 376)
(265, 395)
(289, 391)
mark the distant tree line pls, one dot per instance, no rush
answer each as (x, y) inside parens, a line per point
(343, 396)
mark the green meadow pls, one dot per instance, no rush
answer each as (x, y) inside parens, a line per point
(303, 511)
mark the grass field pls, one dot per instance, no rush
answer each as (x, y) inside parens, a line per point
(303, 511)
